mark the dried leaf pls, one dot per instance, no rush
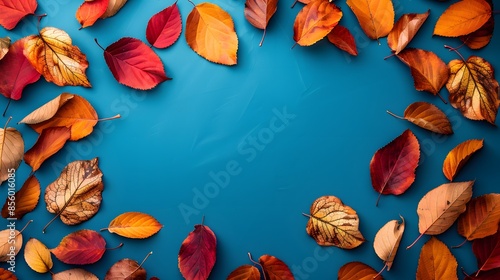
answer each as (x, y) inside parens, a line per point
(427, 116)
(387, 241)
(165, 27)
(429, 72)
(50, 141)
(4, 47)
(315, 21)
(134, 64)
(342, 38)
(392, 168)
(358, 271)
(259, 12)
(48, 110)
(76, 195)
(90, 11)
(210, 33)
(11, 151)
(404, 30)
(37, 256)
(473, 88)
(24, 201)
(436, 262)
(6, 242)
(481, 37)
(481, 217)
(126, 269)
(12, 11)
(74, 274)
(52, 54)
(462, 18)
(80, 247)
(245, 272)
(487, 252)
(459, 156)
(376, 17)
(17, 72)
(114, 7)
(134, 225)
(198, 253)
(332, 223)
(274, 268)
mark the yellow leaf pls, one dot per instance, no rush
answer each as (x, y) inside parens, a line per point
(52, 54)
(376, 17)
(16, 240)
(458, 156)
(387, 241)
(37, 256)
(11, 151)
(436, 262)
(462, 18)
(134, 225)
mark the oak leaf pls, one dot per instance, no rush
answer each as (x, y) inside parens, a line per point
(5, 274)
(462, 18)
(274, 268)
(165, 27)
(427, 116)
(259, 12)
(247, 272)
(392, 168)
(4, 46)
(37, 256)
(134, 225)
(436, 261)
(11, 151)
(12, 11)
(6, 241)
(210, 33)
(127, 269)
(357, 271)
(25, 199)
(74, 274)
(114, 6)
(342, 38)
(54, 56)
(459, 156)
(481, 218)
(50, 141)
(77, 194)
(315, 21)
(80, 247)
(387, 241)
(481, 37)
(473, 88)
(90, 11)
(487, 252)
(404, 30)
(376, 17)
(331, 223)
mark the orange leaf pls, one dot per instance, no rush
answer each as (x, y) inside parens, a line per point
(245, 272)
(80, 247)
(274, 268)
(24, 201)
(462, 18)
(376, 17)
(357, 271)
(429, 72)
(7, 275)
(342, 38)
(52, 54)
(197, 254)
(90, 11)
(74, 274)
(458, 156)
(481, 37)
(404, 30)
(436, 262)
(37, 256)
(134, 225)
(259, 12)
(6, 241)
(50, 141)
(11, 151)
(427, 116)
(481, 217)
(473, 88)
(315, 21)
(210, 33)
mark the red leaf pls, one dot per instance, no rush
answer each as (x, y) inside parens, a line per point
(493, 274)
(90, 11)
(16, 72)
(198, 253)
(80, 247)
(274, 268)
(487, 252)
(342, 38)
(134, 64)
(12, 11)
(392, 168)
(165, 27)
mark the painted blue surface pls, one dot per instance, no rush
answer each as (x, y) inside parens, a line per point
(282, 128)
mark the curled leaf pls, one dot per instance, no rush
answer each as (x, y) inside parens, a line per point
(404, 30)
(24, 201)
(74, 274)
(114, 6)
(165, 27)
(247, 272)
(315, 21)
(50, 141)
(90, 11)
(481, 218)
(427, 116)
(462, 18)
(274, 268)
(357, 271)
(387, 241)
(6, 242)
(48, 110)
(80, 247)
(436, 261)
(37, 256)
(134, 225)
(376, 17)
(12, 11)
(11, 151)
(342, 38)
(459, 156)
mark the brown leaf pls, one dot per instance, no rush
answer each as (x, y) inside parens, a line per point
(50, 141)
(376, 17)
(274, 268)
(48, 110)
(481, 37)
(481, 217)
(127, 269)
(404, 30)
(427, 116)
(11, 151)
(462, 18)
(342, 38)
(245, 272)
(358, 271)
(74, 274)
(5, 274)
(6, 241)
(436, 262)
(459, 156)
(4, 46)
(387, 241)
(332, 223)
(24, 201)
(114, 6)
(259, 12)
(37, 256)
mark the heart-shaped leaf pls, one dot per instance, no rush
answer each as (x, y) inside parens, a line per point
(459, 156)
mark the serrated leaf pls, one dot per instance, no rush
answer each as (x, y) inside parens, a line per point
(459, 156)
(436, 262)
(197, 254)
(25, 199)
(80, 247)
(37, 256)
(165, 27)
(12, 11)
(50, 141)
(404, 30)
(315, 21)
(376, 17)
(358, 271)
(481, 218)
(462, 18)
(134, 225)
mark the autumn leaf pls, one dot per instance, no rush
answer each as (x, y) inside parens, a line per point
(315, 21)
(332, 223)
(52, 54)
(245, 272)
(357, 271)
(6, 242)
(127, 269)
(429, 72)
(4, 46)
(427, 116)
(481, 218)
(37, 256)
(491, 274)
(210, 33)
(134, 64)
(342, 38)
(481, 37)
(487, 252)
(198, 253)
(165, 27)
(134, 225)
(76, 195)
(441, 206)
(80, 247)
(74, 274)
(114, 7)
(48, 110)
(5, 274)
(473, 88)
(392, 168)
(24, 201)
(259, 12)
(17, 71)
(459, 156)
(462, 18)
(274, 268)
(404, 30)
(11, 151)
(436, 261)
(376, 17)
(90, 11)
(387, 241)
(50, 141)
(12, 11)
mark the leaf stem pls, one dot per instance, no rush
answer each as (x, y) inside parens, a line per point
(394, 115)
(418, 238)
(389, 56)
(50, 222)
(110, 118)
(203, 220)
(258, 264)
(307, 215)
(191, 2)
(455, 50)
(293, 5)
(459, 245)
(378, 199)
(95, 39)
(6, 124)
(263, 36)
(380, 272)
(114, 248)
(25, 226)
(140, 265)
(441, 97)
(6, 107)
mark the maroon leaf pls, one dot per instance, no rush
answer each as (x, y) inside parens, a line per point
(165, 27)
(342, 38)
(487, 252)
(198, 253)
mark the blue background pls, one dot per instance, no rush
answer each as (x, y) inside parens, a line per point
(169, 141)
